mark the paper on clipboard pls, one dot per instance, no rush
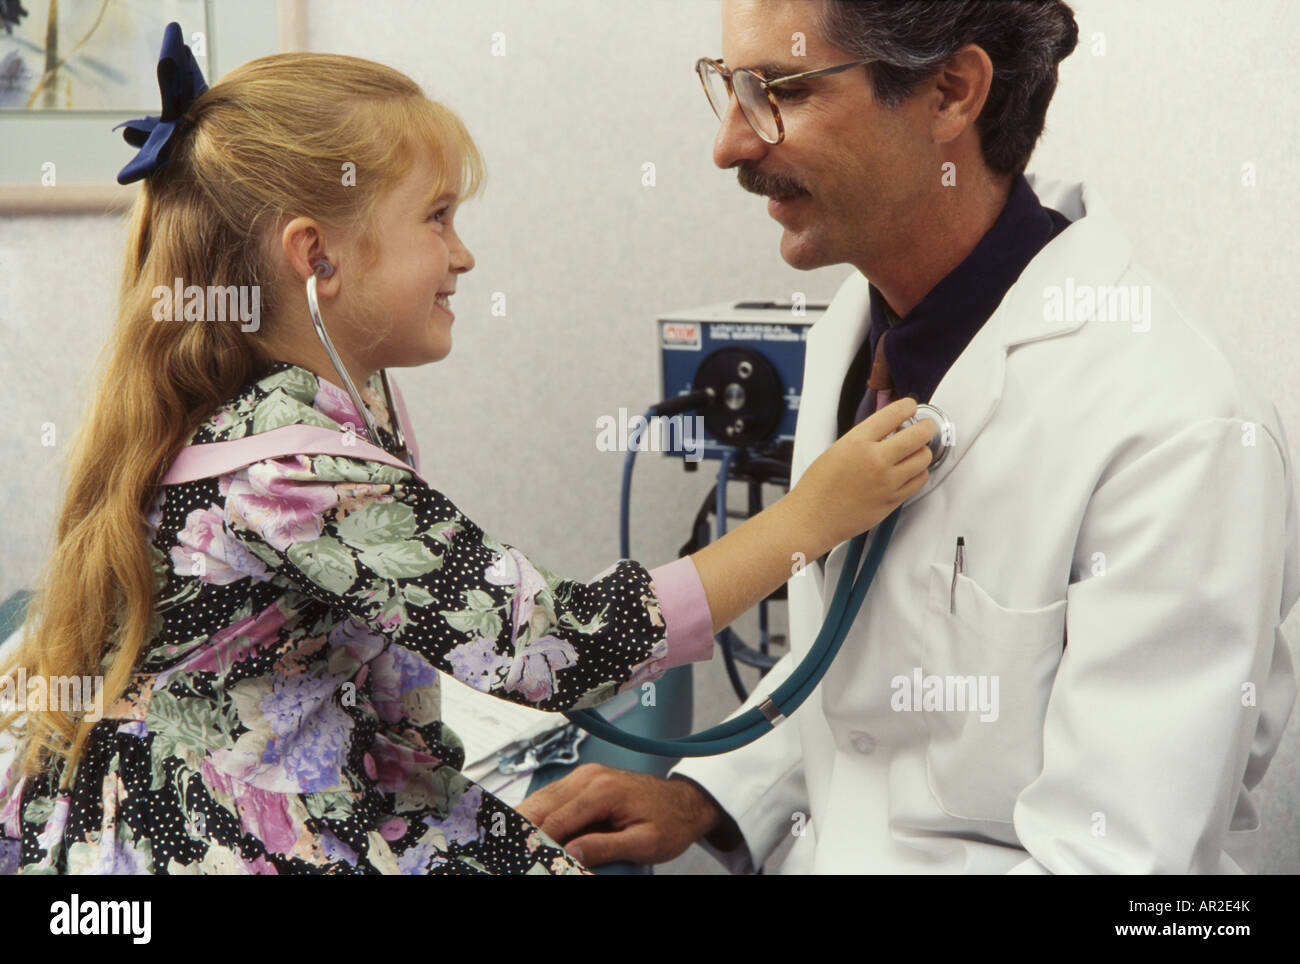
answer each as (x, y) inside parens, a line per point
(486, 723)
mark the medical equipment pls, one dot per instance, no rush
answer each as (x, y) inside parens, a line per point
(712, 386)
(555, 746)
(324, 269)
(749, 356)
(740, 392)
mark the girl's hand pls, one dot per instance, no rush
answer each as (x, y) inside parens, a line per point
(860, 479)
(853, 485)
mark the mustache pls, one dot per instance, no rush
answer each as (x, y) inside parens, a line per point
(768, 185)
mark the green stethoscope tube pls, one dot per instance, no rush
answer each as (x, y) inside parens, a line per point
(786, 698)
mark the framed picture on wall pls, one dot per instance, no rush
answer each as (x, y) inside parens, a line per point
(71, 70)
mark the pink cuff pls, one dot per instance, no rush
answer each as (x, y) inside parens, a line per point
(687, 619)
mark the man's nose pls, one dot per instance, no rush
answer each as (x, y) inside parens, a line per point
(736, 140)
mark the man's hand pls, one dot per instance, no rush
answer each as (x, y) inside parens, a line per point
(636, 816)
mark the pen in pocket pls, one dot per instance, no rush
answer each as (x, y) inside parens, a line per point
(958, 565)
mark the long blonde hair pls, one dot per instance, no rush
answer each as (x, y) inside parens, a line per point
(269, 142)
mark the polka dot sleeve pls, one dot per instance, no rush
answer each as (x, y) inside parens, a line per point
(397, 555)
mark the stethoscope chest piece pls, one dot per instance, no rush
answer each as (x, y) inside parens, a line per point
(942, 440)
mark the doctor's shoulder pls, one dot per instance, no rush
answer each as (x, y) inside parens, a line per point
(1146, 364)
(1203, 376)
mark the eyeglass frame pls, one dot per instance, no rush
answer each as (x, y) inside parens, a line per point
(725, 72)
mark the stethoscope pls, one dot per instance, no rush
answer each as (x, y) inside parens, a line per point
(850, 591)
(324, 269)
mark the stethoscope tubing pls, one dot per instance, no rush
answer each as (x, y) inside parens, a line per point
(372, 429)
(850, 592)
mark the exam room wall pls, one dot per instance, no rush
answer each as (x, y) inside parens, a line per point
(587, 256)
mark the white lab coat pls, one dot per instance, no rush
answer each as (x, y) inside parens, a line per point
(1120, 490)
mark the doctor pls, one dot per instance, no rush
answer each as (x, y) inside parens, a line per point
(1097, 679)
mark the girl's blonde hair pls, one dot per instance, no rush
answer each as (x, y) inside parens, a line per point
(271, 141)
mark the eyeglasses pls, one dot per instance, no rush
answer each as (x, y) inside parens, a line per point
(754, 92)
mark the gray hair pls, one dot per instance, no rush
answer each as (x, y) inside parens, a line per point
(911, 40)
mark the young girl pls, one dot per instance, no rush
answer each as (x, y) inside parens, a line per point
(270, 638)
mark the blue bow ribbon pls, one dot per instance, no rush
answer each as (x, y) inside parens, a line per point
(181, 83)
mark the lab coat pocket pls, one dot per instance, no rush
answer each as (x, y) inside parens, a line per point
(986, 674)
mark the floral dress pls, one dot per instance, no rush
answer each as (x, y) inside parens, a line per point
(284, 714)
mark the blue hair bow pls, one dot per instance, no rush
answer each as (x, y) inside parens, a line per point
(181, 83)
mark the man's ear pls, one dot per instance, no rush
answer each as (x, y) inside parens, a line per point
(960, 89)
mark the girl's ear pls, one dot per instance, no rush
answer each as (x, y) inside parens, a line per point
(303, 245)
